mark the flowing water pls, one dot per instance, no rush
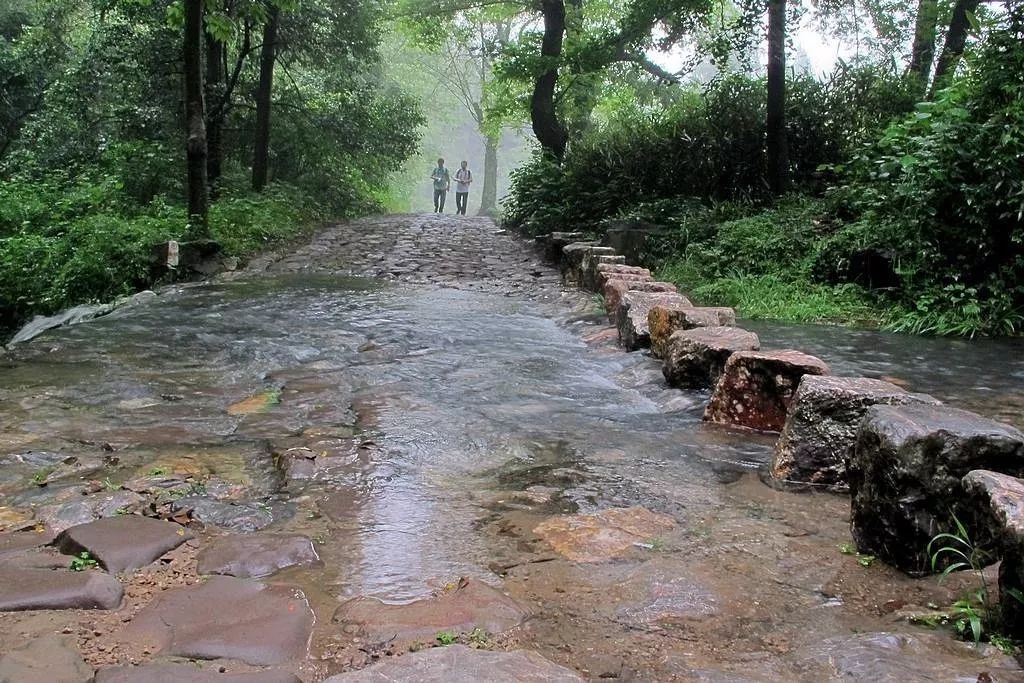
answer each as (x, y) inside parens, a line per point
(456, 399)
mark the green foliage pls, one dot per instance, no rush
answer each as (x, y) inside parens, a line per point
(447, 638)
(947, 184)
(950, 552)
(82, 561)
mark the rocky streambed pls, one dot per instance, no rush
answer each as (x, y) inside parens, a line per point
(407, 452)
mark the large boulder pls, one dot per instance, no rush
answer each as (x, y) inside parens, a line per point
(616, 287)
(996, 518)
(576, 259)
(906, 471)
(821, 428)
(757, 387)
(631, 317)
(609, 271)
(695, 358)
(460, 664)
(468, 605)
(663, 321)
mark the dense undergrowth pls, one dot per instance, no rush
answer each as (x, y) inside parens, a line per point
(64, 242)
(905, 215)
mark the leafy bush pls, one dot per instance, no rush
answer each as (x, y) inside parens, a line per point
(946, 185)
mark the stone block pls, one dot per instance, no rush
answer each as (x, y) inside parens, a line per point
(821, 428)
(906, 476)
(609, 271)
(665, 320)
(631, 318)
(695, 358)
(575, 259)
(615, 287)
(757, 387)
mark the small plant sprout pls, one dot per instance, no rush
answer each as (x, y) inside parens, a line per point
(446, 637)
(847, 549)
(41, 476)
(83, 561)
(968, 614)
(157, 472)
(865, 560)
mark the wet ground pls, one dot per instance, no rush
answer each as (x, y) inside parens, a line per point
(419, 396)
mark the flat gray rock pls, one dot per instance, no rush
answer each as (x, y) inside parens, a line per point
(49, 659)
(32, 589)
(244, 517)
(460, 664)
(256, 555)
(226, 618)
(188, 673)
(123, 542)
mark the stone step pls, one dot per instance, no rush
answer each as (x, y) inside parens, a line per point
(665, 320)
(615, 288)
(695, 358)
(632, 315)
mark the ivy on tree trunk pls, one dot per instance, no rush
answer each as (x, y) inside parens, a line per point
(198, 202)
(549, 130)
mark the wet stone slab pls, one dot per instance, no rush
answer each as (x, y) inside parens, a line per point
(256, 555)
(228, 618)
(468, 605)
(460, 664)
(188, 673)
(123, 542)
(603, 535)
(695, 358)
(35, 589)
(245, 517)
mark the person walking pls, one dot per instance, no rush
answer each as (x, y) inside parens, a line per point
(442, 183)
(463, 178)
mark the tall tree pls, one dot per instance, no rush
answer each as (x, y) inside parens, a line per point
(777, 147)
(922, 53)
(198, 201)
(953, 48)
(550, 131)
(268, 56)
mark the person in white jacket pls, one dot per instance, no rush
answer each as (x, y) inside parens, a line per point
(463, 179)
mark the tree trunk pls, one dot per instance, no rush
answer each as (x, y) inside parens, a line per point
(196, 125)
(778, 149)
(489, 194)
(215, 113)
(923, 51)
(549, 130)
(268, 55)
(953, 48)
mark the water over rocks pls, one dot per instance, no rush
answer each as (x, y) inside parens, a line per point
(460, 664)
(465, 606)
(411, 399)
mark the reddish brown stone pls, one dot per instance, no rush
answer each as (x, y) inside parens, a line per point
(664, 320)
(615, 287)
(32, 589)
(123, 542)
(226, 618)
(576, 258)
(469, 605)
(605, 272)
(757, 387)
(633, 310)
